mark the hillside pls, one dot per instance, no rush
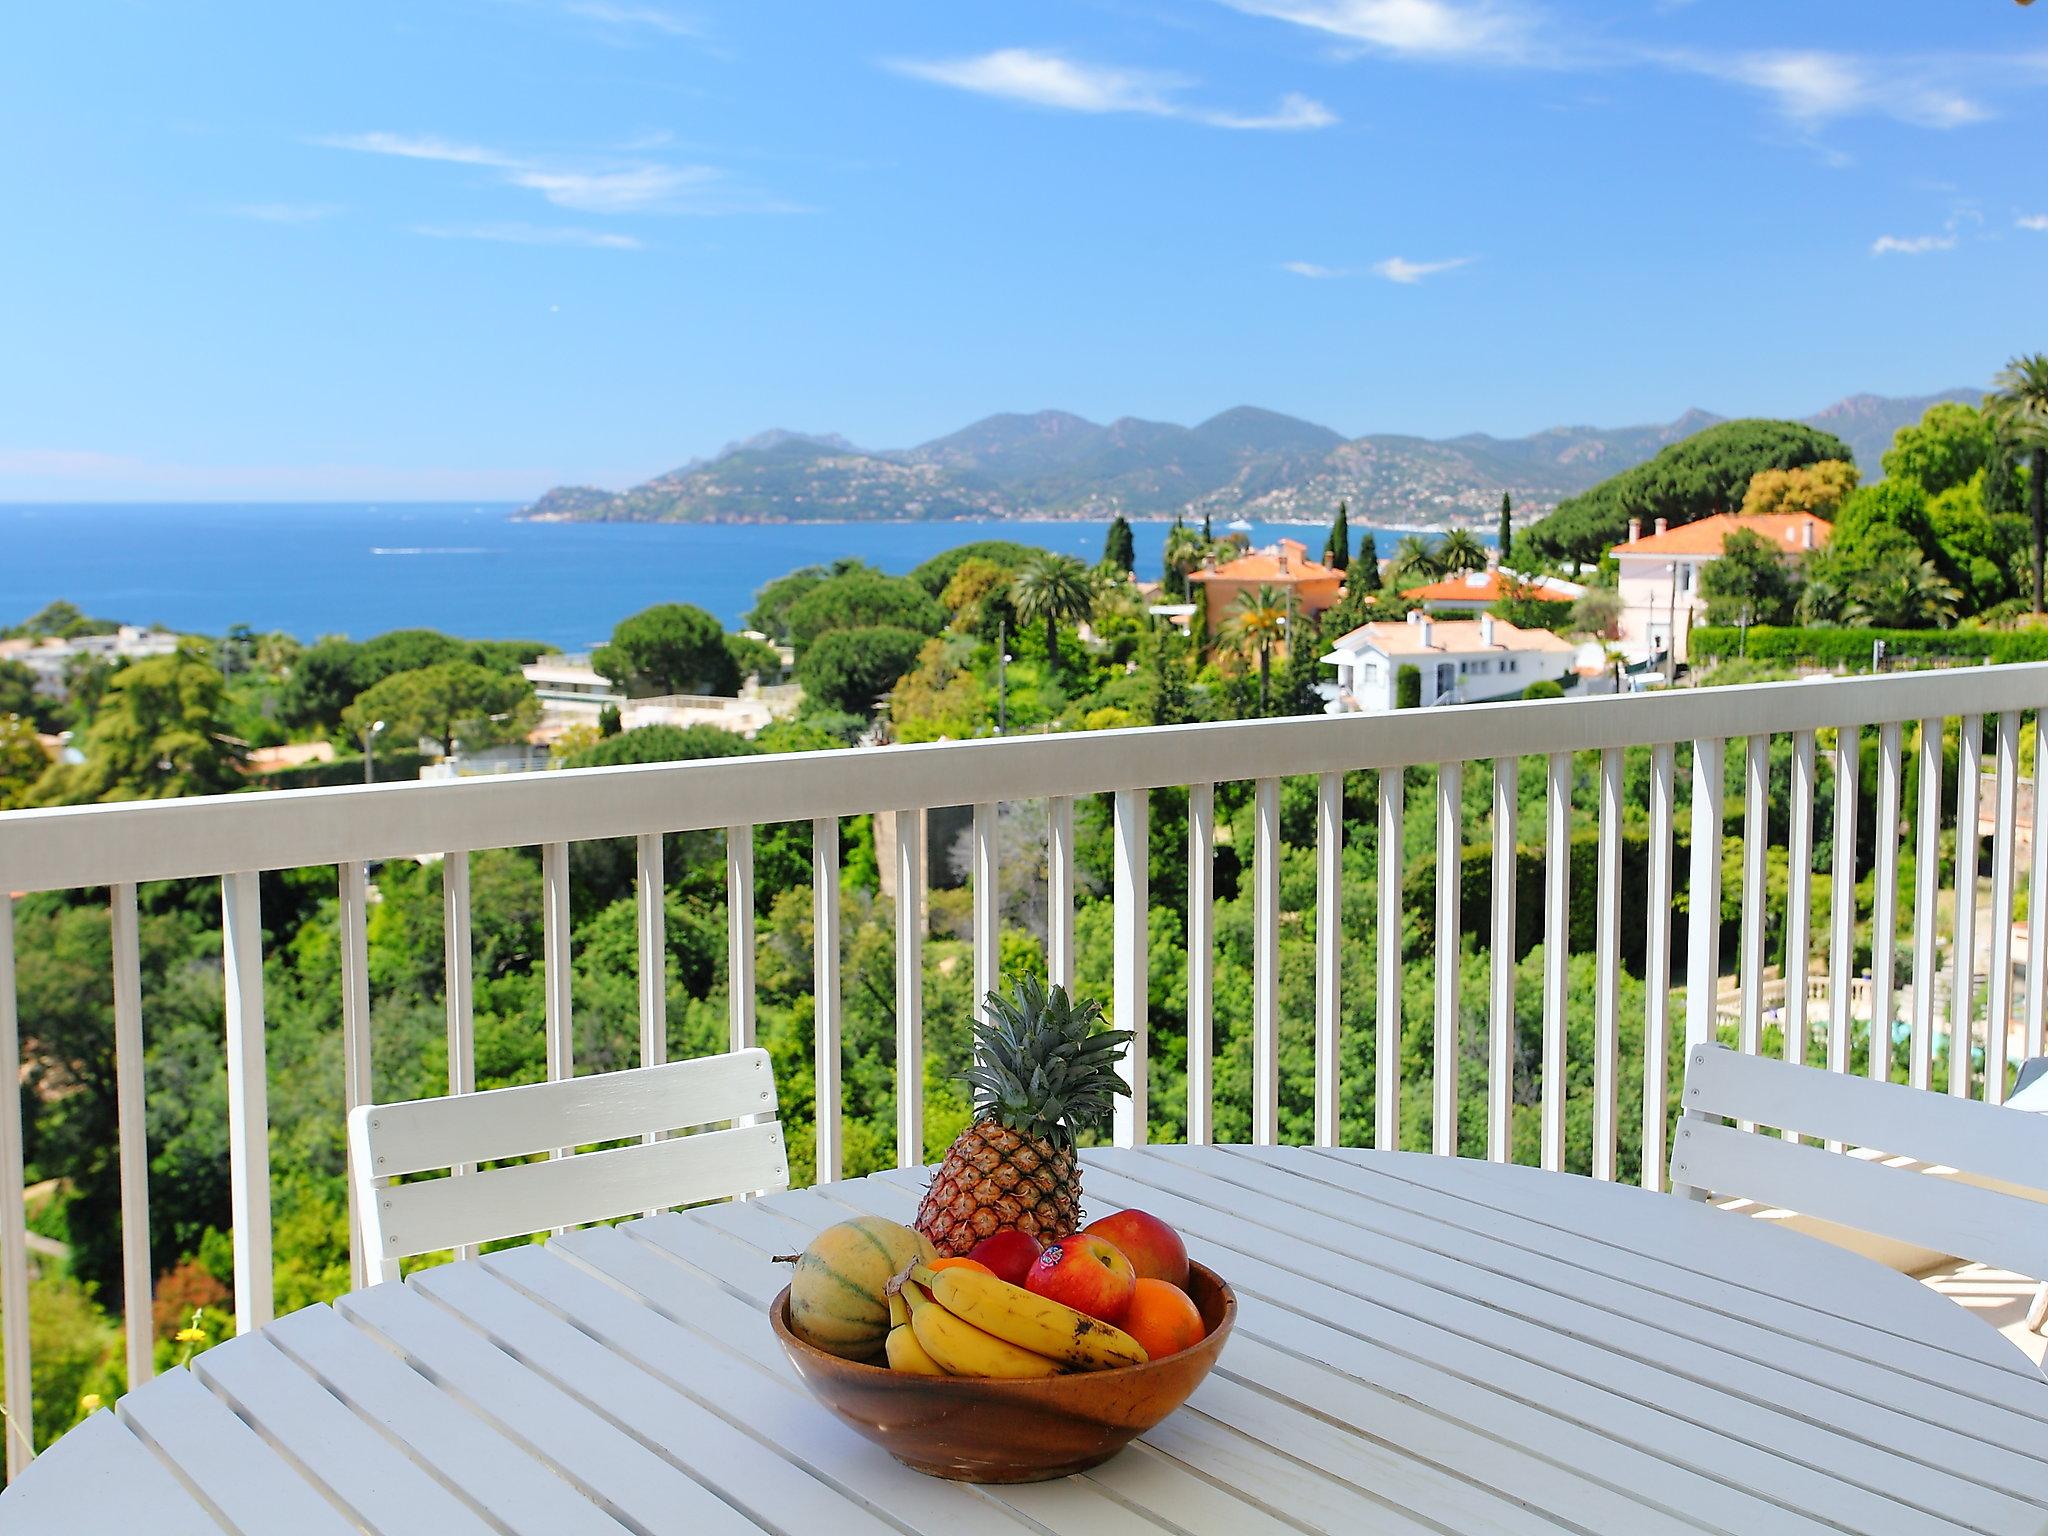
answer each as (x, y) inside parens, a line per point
(1245, 461)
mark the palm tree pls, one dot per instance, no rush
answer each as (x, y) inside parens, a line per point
(2018, 403)
(1052, 589)
(1901, 592)
(1258, 619)
(1415, 559)
(1458, 551)
(1184, 551)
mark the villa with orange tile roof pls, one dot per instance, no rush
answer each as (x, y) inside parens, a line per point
(1474, 591)
(1660, 572)
(1284, 565)
(1462, 661)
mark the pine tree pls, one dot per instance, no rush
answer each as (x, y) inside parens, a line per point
(1366, 572)
(1507, 524)
(1119, 550)
(1337, 549)
(1304, 669)
(1171, 704)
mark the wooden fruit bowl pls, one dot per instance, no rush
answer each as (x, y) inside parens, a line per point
(981, 1431)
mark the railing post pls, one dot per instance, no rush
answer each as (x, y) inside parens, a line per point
(1557, 920)
(1703, 938)
(1799, 896)
(19, 1430)
(1926, 902)
(555, 962)
(1607, 984)
(986, 880)
(1201, 963)
(1842, 896)
(1962, 993)
(1329, 953)
(1998, 1003)
(353, 908)
(910, 989)
(1657, 966)
(2037, 894)
(1059, 891)
(1756, 796)
(1266, 962)
(1885, 901)
(1450, 849)
(1130, 908)
(739, 934)
(1386, 1118)
(1500, 1033)
(132, 1120)
(651, 911)
(825, 990)
(248, 1101)
(456, 961)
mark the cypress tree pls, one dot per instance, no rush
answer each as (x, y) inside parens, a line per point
(1119, 550)
(1208, 533)
(1304, 669)
(1507, 524)
(1337, 549)
(1367, 577)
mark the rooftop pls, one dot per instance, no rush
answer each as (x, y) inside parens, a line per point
(1428, 637)
(1786, 530)
(1493, 584)
(1283, 564)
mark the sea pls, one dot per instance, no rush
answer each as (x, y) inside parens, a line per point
(332, 568)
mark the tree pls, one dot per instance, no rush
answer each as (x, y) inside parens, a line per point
(1815, 488)
(159, 733)
(770, 613)
(1053, 590)
(1364, 575)
(1458, 551)
(1407, 688)
(1507, 523)
(1257, 622)
(1208, 532)
(1415, 559)
(1597, 612)
(321, 684)
(1171, 701)
(937, 573)
(978, 598)
(1708, 472)
(863, 599)
(1120, 549)
(669, 648)
(1337, 548)
(753, 658)
(660, 744)
(2019, 402)
(1185, 549)
(447, 702)
(1946, 447)
(18, 691)
(1304, 668)
(849, 669)
(22, 759)
(1751, 583)
(1899, 591)
(1544, 688)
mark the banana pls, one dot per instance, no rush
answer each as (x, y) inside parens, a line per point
(1029, 1321)
(906, 1354)
(961, 1349)
(899, 1309)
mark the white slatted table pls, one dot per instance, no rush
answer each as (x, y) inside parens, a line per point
(1424, 1345)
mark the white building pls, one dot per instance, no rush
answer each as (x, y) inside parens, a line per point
(50, 659)
(1462, 661)
(1660, 572)
(570, 690)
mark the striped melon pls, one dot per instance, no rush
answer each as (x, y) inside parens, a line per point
(838, 1298)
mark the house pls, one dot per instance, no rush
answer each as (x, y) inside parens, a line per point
(1285, 566)
(1462, 661)
(50, 659)
(1660, 572)
(1476, 591)
(570, 690)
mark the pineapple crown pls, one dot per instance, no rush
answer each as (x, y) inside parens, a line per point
(1041, 1067)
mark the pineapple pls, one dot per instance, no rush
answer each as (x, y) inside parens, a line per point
(1041, 1073)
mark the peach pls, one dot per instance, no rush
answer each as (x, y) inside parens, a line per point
(1162, 1318)
(1008, 1254)
(1154, 1249)
(1087, 1274)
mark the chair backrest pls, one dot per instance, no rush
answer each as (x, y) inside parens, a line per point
(389, 1141)
(1944, 1214)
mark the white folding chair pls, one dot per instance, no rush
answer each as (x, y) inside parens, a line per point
(1966, 1220)
(387, 1142)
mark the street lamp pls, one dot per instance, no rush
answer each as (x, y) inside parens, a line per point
(370, 752)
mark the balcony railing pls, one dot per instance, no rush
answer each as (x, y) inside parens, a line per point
(233, 839)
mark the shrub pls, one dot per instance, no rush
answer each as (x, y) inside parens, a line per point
(661, 744)
(1544, 688)
(1408, 688)
(1831, 647)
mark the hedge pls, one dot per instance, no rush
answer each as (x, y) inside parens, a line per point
(1840, 647)
(393, 765)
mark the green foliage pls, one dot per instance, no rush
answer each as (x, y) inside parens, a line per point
(60, 621)
(447, 702)
(1504, 537)
(1304, 669)
(661, 744)
(1052, 590)
(1337, 547)
(18, 692)
(754, 658)
(1120, 549)
(22, 759)
(937, 573)
(850, 669)
(1544, 688)
(157, 734)
(770, 613)
(670, 648)
(325, 678)
(1364, 573)
(1407, 688)
(1751, 581)
(1821, 646)
(1709, 472)
(862, 600)
(1950, 445)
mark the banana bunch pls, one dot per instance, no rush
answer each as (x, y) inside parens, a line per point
(962, 1322)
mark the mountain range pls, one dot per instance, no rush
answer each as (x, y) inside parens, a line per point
(1246, 461)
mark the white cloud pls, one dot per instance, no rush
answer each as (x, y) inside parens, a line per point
(2035, 221)
(530, 234)
(643, 17)
(1045, 79)
(1396, 269)
(1312, 269)
(636, 186)
(1489, 31)
(1814, 87)
(1911, 245)
(285, 213)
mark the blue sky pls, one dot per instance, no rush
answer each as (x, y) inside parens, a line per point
(471, 249)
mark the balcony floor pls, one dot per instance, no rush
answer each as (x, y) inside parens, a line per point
(1998, 1296)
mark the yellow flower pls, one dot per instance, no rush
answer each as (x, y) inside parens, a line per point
(190, 1335)
(90, 1403)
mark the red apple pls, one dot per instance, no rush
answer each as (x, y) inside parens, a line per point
(1154, 1249)
(1009, 1254)
(1086, 1273)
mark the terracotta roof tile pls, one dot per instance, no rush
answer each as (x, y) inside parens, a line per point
(1782, 530)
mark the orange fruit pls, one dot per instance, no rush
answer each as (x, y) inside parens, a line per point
(1162, 1318)
(939, 1264)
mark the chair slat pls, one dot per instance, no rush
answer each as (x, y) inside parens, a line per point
(1938, 1213)
(595, 1186)
(422, 1134)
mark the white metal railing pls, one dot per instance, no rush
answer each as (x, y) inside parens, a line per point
(232, 838)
